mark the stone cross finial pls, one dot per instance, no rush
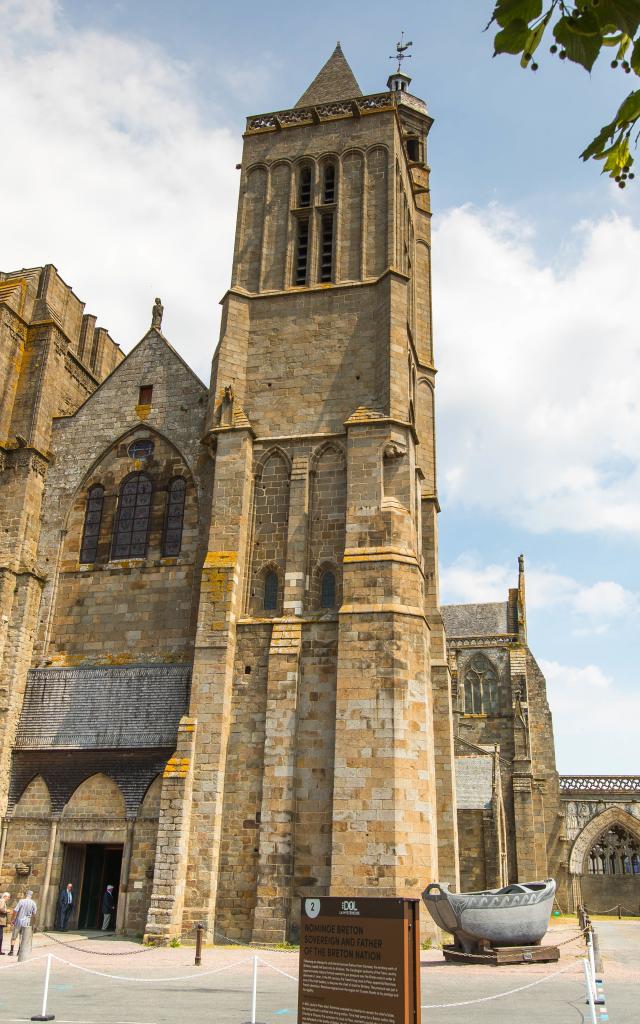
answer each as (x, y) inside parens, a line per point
(156, 315)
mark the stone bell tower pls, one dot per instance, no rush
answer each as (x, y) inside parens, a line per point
(323, 749)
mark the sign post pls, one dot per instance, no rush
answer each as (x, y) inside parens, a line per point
(359, 961)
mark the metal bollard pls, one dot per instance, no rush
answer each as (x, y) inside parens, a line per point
(199, 934)
(26, 939)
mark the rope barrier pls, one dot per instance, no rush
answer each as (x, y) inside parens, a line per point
(124, 977)
(21, 963)
(491, 956)
(499, 995)
(99, 952)
(466, 1002)
(274, 968)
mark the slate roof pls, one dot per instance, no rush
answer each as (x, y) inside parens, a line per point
(477, 619)
(64, 770)
(474, 782)
(334, 81)
(125, 707)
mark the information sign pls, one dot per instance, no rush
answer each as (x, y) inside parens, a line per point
(359, 961)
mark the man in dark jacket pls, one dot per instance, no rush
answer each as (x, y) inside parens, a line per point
(64, 907)
(107, 907)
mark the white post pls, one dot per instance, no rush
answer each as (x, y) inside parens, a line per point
(592, 962)
(44, 1015)
(254, 994)
(590, 997)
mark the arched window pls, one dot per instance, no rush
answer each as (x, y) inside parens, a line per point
(329, 184)
(270, 599)
(480, 687)
(142, 448)
(92, 521)
(616, 852)
(304, 187)
(328, 589)
(131, 531)
(174, 516)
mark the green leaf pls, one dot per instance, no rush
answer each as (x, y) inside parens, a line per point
(623, 14)
(585, 24)
(598, 144)
(509, 10)
(581, 48)
(629, 109)
(511, 39)
(635, 57)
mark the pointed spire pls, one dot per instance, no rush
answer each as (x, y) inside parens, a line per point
(334, 81)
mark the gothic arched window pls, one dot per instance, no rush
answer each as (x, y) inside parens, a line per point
(131, 530)
(92, 521)
(270, 597)
(480, 687)
(616, 852)
(328, 589)
(174, 516)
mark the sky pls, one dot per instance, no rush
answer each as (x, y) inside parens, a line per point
(121, 128)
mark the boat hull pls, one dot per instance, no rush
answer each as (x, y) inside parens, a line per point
(517, 915)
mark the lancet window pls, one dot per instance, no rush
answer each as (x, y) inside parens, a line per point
(328, 589)
(132, 520)
(616, 852)
(270, 597)
(92, 521)
(174, 516)
(480, 687)
(329, 184)
(304, 187)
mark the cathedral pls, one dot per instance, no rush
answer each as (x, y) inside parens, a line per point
(226, 678)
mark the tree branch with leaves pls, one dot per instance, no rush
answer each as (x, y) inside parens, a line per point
(580, 33)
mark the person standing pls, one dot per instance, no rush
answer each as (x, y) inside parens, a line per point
(107, 907)
(4, 916)
(23, 914)
(64, 908)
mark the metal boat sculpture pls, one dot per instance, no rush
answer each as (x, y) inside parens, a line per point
(516, 915)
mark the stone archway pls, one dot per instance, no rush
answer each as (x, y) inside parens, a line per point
(601, 892)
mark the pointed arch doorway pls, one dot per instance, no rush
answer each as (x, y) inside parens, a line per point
(91, 867)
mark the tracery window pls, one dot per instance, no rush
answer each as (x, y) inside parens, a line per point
(174, 517)
(92, 521)
(616, 852)
(142, 448)
(480, 687)
(328, 589)
(270, 596)
(131, 530)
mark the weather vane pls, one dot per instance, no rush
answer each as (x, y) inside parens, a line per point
(401, 49)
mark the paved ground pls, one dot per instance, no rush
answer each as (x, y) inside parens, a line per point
(172, 990)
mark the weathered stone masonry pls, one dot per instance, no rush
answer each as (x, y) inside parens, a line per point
(224, 668)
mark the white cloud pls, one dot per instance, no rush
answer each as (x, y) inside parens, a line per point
(539, 413)
(592, 606)
(597, 719)
(115, 177)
